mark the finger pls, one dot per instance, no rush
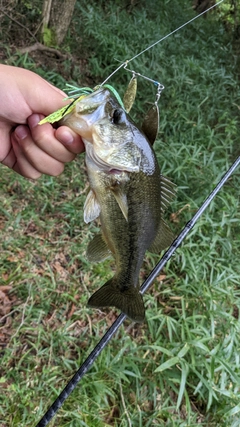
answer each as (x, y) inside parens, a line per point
(72, 141)
(6, 154)
(44, 137)
(32, 161)
(10, 159)
(21, 164)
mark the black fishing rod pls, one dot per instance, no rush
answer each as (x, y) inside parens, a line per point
(145, 286)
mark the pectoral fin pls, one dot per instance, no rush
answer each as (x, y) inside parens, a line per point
(121, 199)
(91, 207)
(97, 249)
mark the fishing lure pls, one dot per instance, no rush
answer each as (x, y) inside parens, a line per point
(76, 94)
(79, 93)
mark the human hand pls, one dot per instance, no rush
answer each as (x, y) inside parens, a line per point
(26, 147)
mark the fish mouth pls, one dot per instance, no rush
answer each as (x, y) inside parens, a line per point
(114, 171)
(87, 112)
(91, 102)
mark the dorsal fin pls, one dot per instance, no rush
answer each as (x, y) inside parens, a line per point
(168, 192)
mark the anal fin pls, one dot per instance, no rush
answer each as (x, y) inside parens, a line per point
(97, 249)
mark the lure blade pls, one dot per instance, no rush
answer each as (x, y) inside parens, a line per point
(151, 124)
(130, 94)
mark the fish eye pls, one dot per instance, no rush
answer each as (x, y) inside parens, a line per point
(116, 117)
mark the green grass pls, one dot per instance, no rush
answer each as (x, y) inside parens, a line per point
(181, 368)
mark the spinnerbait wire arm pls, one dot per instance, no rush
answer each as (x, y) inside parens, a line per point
(155, 82)
(145, 286)
(160, 86)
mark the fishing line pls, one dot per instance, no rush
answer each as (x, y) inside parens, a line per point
(145, 286)
(125, 63)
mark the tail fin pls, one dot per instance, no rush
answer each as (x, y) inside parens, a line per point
(128, 300)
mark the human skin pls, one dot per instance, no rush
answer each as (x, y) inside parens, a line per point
(26, 147)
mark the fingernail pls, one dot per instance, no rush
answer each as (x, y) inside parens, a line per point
(21, 132)
(33, 120)
(66, 138)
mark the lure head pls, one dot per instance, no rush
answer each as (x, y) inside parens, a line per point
(80, 93)
(90, 101)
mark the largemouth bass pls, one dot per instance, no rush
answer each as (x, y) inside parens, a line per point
(127, 192)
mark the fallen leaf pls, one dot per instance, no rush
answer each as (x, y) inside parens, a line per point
(5, 304)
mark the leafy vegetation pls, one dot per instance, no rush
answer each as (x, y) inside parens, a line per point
(182, 367)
